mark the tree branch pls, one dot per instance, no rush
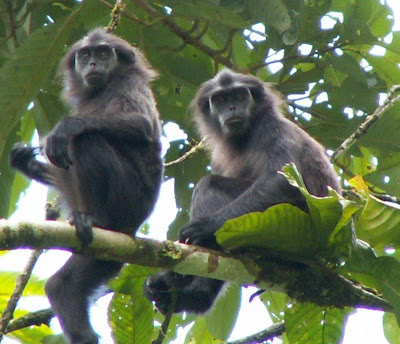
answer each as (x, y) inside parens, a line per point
(20, 285)
(369, 121)
(37, 318)
(186, 36)
(269, 333)
(200, 145)
(306, 283)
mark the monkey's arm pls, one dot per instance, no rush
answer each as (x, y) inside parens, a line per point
(129, 127)
(265, 192)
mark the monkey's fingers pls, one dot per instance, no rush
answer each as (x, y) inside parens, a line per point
(200, 232)
(57, 151)
(20, 155)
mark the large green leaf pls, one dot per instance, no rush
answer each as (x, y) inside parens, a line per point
(221, 320)
(285, 228)
(379, 222)
(308, 323)
(282, 227)
(199, 334)
(130, 313)
(381, 273)
(22, 76)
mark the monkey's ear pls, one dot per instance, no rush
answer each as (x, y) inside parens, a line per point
(68, 63)
(125, 55)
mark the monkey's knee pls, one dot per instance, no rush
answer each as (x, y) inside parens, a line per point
(53, 287)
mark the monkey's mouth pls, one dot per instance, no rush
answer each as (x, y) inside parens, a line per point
(95, 78)
(233, 121)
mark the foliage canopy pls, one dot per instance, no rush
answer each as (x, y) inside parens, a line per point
(334, 61)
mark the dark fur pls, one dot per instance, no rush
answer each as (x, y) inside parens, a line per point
(105, 161)
(244, 179)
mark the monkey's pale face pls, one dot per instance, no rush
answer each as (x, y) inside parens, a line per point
(94, 65)
(232, 107)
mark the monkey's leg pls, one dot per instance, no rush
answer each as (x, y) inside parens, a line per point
(195, 294)
(69, 290)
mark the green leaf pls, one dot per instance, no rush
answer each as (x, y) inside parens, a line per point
(131, 318)
(308, 323)
(274, 13)
(357, 31)
(35, 286)
(199, 334)
(347, 65)
(381, 273)
(206, 10)
(222, 318)
(31, 335)
(391, 328)
(325, 212)
(379, 222)
(283, 227)
(387, 272)
(276, 304)
(130, 313)
(325, 231)
(22, 76)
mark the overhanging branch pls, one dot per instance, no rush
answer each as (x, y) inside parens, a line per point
(186, 37)
(302, 282)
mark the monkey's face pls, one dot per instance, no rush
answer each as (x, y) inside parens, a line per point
(94, 65)
(232, 107)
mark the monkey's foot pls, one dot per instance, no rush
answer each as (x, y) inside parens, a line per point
(157, 289)
(83, 226)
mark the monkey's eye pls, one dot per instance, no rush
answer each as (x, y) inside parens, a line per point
(84, 55)
(240, 96)
(104, 55)
(103, 52)
(219, 98)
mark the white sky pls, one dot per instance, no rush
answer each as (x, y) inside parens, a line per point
(363, 327)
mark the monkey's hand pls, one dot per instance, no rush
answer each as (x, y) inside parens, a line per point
(83, 226)
(200, 232)
(21, 156)
(57, 149)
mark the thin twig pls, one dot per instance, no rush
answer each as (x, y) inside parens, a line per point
(367, 124)
(262, 336)
(20, 285)
(185, 36)
(115, 16)
(37, 318)
(192, 150)
(129, 16)
(164, 327)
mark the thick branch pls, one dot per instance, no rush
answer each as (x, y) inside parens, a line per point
(302, 282)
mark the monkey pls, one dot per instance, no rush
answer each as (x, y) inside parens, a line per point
(250, 141)
(105, 161)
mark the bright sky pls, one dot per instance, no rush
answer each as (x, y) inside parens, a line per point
(362, 327)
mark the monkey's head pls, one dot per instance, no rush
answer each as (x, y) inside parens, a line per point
(231, 102)
(97, 60)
